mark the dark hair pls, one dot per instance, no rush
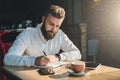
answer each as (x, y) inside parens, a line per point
(56, 11)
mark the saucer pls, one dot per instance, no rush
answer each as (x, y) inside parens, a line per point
(76, 74)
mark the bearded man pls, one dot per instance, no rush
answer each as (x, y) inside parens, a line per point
(41, 45)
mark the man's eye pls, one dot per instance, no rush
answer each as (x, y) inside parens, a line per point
(51, 24)
(57, 26)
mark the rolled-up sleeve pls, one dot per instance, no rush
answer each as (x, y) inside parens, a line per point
(15, 55)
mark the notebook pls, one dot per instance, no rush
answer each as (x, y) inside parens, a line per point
(53, 65)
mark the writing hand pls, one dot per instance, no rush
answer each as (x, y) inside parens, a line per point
(53, 58)
(42, 61)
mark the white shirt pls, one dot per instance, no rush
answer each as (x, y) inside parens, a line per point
(31, 44)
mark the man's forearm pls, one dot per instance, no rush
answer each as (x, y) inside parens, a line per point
(14, 60)
(71, 55)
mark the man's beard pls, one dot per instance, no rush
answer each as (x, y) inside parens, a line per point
(46, 34)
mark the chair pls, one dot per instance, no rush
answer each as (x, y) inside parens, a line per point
(6, 40)
(3, 49)
(92, 49)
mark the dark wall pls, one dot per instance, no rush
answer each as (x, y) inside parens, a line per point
(14, 11)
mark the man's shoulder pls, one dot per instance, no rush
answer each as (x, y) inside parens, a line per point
(28, 31)
(60, 31)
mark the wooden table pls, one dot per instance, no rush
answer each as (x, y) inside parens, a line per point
(61, 73)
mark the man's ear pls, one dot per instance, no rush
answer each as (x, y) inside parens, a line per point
(43, 18)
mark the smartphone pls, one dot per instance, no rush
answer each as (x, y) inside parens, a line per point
(92, 65)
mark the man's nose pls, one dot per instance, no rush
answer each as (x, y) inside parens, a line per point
(53, 28)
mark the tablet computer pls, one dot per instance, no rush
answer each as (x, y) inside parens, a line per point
(92, 65)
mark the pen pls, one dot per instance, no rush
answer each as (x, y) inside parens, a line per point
(44, 53)
(49, 60)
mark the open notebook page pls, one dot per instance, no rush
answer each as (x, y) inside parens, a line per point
(54, 64)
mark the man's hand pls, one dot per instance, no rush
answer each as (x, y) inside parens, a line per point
(53, 58)
(42, 61)
(45, 60)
